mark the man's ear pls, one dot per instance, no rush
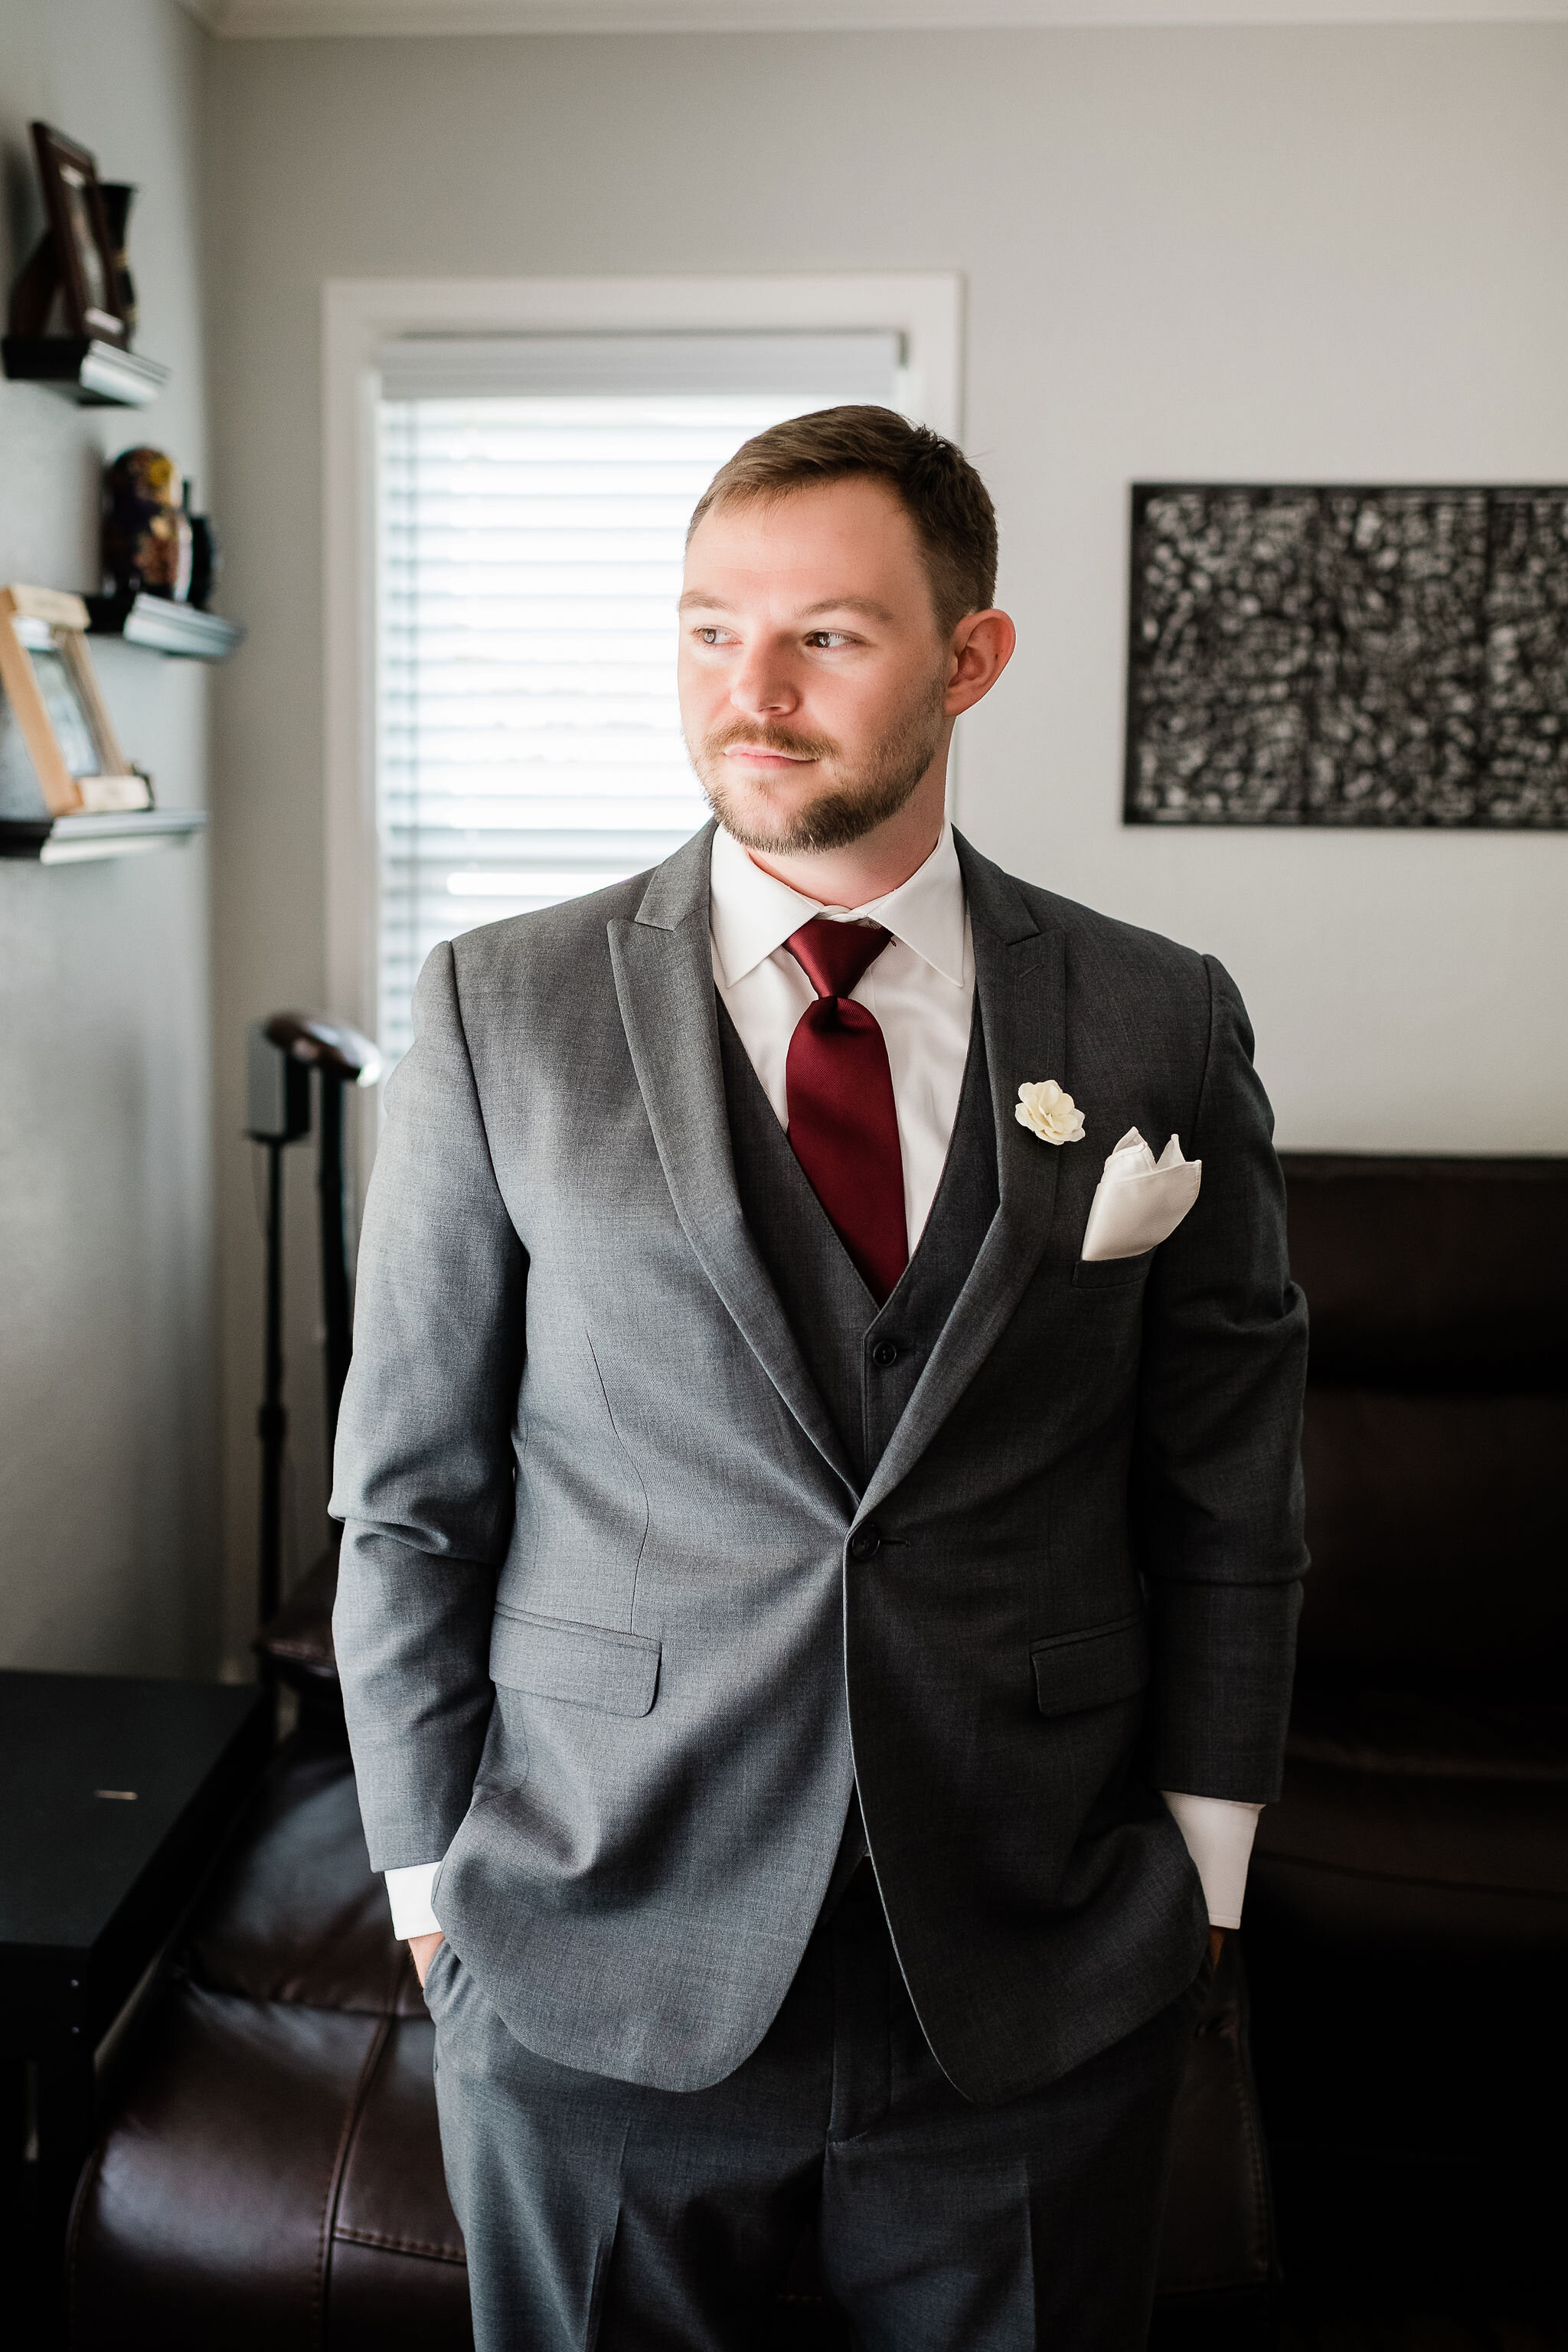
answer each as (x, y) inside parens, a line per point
(981, 649)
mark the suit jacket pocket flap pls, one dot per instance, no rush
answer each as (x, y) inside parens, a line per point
(586, 1665)
(1095, 1668)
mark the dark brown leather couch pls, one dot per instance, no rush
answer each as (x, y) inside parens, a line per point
(1407, 1912)
(270, 2172)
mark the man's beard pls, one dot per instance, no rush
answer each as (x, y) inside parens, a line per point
(847, 812)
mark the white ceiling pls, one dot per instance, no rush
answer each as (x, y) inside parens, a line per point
(262, 20)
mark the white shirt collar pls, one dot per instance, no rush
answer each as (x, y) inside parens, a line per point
(752, 913)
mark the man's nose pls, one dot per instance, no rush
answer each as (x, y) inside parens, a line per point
(761, 686)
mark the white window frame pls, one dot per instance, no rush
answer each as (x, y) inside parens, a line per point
(358, 316)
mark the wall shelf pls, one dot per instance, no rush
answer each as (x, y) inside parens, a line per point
(164, 626)
(70, 840)
(93, 374)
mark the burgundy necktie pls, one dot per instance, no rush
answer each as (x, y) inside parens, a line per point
(840, 1093)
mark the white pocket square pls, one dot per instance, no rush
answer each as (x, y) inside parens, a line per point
(1139, 1201)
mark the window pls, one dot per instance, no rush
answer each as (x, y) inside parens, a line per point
(531, 498)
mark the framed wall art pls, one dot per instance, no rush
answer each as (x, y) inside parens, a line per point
(60, 754)
(1348, 656)
(90, 277)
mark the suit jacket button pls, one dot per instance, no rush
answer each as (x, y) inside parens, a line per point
(884, 1354)
(865, 1543)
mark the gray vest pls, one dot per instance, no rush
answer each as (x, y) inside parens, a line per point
(864, 1359)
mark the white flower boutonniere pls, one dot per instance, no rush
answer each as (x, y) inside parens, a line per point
(1049, 1113)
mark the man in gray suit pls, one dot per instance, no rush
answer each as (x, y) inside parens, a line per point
(821, 1535)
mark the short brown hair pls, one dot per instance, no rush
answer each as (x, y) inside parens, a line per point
(932, 478)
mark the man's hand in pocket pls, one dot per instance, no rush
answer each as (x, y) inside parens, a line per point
(423, 1950)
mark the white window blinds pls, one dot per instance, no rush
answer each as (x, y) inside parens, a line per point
(532, 497)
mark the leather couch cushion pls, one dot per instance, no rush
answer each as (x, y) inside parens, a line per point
(213, 2211)
(1371, 1854)
(269, 2174)
(294, 1912)
(1426, 1273)
(1461, 1735)
(1434, 1523)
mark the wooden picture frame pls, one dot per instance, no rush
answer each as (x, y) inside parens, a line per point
(84, 248)
(54, 699)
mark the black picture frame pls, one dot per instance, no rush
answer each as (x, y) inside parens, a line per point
(84, 247)
(1348, 656)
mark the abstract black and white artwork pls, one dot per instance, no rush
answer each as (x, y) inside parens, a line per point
(1347, 657)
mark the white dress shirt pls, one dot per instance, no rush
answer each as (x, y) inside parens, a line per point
(921, 992)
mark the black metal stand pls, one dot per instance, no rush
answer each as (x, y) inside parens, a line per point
(282, 1052)
(272, 1421)
(334, 1247)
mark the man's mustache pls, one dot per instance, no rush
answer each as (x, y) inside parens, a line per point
(767, 738)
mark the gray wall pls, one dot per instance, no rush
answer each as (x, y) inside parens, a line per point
(1299, 255)
(108, 1405)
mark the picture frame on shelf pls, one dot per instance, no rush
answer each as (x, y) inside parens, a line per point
(89, 267)
(60, 754)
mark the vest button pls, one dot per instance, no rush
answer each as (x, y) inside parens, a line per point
(884, 1354)
(865, 1543)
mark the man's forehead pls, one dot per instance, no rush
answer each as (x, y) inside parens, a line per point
(845, 548)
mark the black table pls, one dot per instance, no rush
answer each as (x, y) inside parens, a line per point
(114, 1797)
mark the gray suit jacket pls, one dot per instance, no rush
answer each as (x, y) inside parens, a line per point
(618, 1631)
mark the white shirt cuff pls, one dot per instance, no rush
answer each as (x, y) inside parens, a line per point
(1219, 1835)
(408, 1892)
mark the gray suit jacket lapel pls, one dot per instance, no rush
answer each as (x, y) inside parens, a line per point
(663, 965)
(1021, 987)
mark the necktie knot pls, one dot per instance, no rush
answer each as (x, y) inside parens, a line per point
(835, 957)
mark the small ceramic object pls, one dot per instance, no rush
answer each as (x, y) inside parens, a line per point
(148, 543)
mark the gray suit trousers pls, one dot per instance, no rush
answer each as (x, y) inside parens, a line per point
(604, 2216)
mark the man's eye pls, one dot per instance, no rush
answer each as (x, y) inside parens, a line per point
(827, 637)
(710, 635)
